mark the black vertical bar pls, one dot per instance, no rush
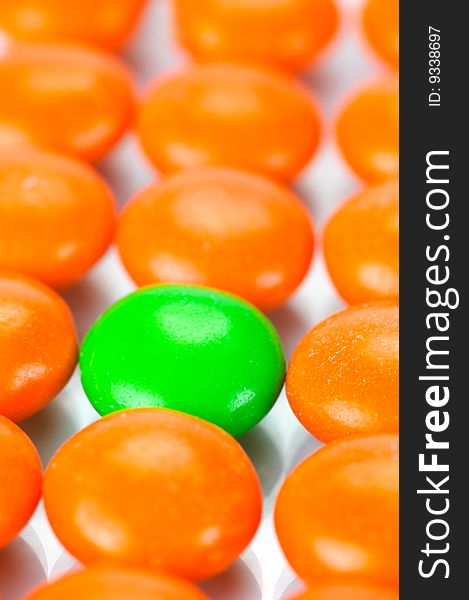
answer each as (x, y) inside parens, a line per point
(434, 271)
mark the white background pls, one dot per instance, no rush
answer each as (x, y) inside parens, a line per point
(279, 442)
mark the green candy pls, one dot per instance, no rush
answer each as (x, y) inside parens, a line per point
(187, 348)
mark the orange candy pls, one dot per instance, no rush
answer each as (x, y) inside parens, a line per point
(348, 592)
(38, 348)
(229, 115)
(106, 23)
(287, 35)
(156, 489)
(103, 583)
(343, 377)
(361, 245)
(381, 28)
(56, 216)
(368, 132)
(219, 228)
(20, 478)
(337, 514)
(67, 98)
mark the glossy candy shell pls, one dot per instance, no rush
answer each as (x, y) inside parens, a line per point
(38, 347)
(337, 514)
(106, 23)
(361, 245)
(368, 131)
(287, 35)
(221, 228)
(343, 378)
(229, 115)
(192, 349)
(56, 216)
(20, 480)
(66, 98)
(104, 583)
(154, 489)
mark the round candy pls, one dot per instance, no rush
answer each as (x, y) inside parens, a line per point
(187, 348)
(348, 592)
(106, 23)
(368, 132)
(337, 514)
(106, 583)
(220, 228)
(38, 348)
(361, 245)
(381, 28)
(56, 216)
(343, 378)
(20, 478)
(71, 99)
(155, 489)
(287, 35)
(229, 115)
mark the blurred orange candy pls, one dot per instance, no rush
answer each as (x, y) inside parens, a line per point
(361, 245)
(381, 27)
(105, 583)
(343, 378)
(38, 348)
(229, 115)
(56, 216)
(67, 98)
(368, 131)
(219, 228)
(288, 34)
(348, 592)
(106, 23)
(155, 489)
(337, 514)
(20, 477)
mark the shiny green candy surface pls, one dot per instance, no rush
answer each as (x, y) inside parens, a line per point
(191, 349)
